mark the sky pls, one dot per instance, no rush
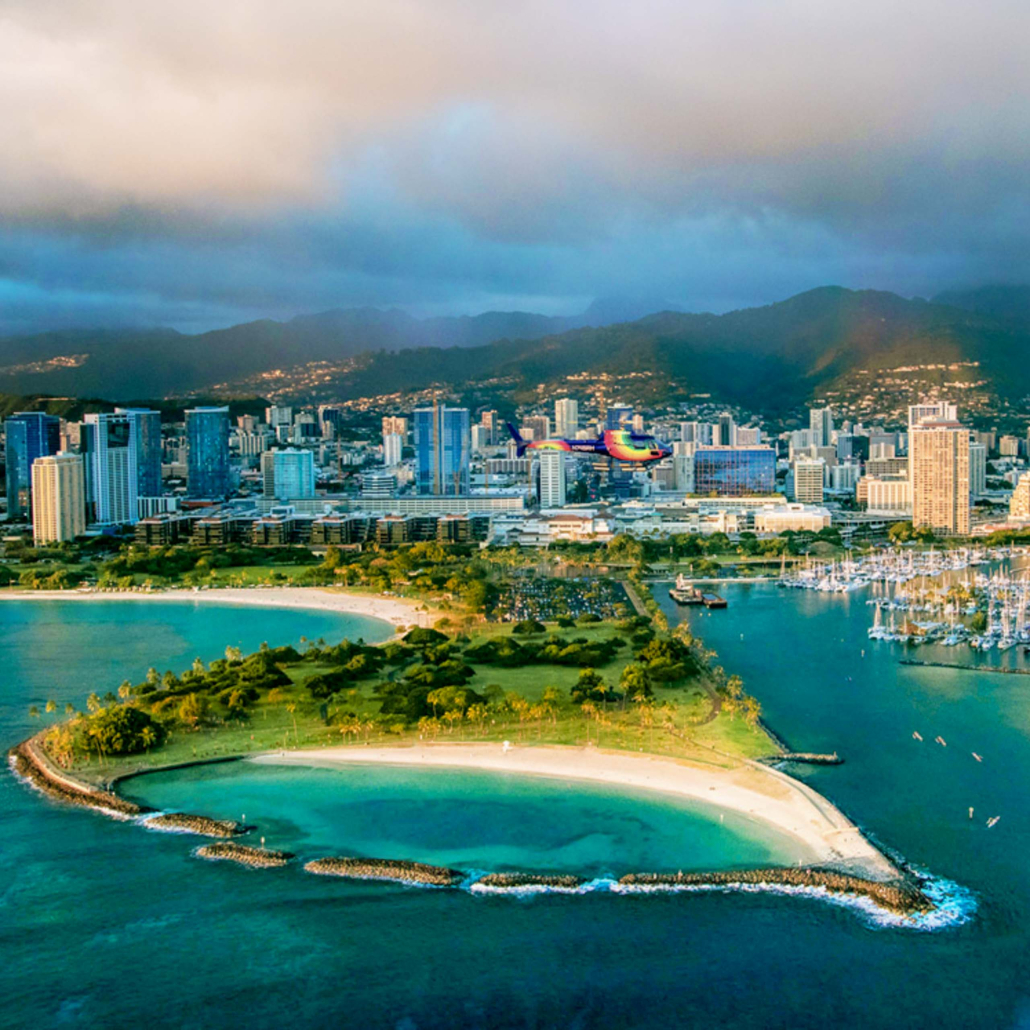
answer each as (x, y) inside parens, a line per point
(197, 164)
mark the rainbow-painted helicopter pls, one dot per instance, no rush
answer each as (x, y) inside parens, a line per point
(620, 444)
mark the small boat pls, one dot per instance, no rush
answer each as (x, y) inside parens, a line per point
(976, 756)
(916, 735)
(993, 821)
(941, 741)
(970, 811)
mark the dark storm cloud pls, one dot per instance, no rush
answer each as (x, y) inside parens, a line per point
(195, 163)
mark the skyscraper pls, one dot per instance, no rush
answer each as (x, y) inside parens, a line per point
(820, 422)
(112, 479)
(145, 428)
(58, 498)
(30, 435)
(288, 474)
(977, 470)
(396, 424)
(552, 492)
(442, 449)
(939, 470)
(566, 417)
(207, 458)
(393, 448)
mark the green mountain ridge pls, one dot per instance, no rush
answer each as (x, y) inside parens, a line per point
(769, 358)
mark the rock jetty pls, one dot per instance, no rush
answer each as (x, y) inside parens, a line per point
(256, 858)
(386, 869)
(31, 766)
(183, 822)
(516, 881)
(901, 896)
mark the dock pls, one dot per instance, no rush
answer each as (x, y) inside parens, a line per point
(713, 601)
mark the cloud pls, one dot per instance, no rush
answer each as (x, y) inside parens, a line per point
(256, 156)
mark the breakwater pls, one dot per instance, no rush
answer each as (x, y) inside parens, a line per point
(257, 858)
(27, 763)
(183, 822)
(806, 758)
(386, 869)
(968, 668)
(520, 881)
(901, 897)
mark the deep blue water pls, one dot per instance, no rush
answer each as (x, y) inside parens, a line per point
(103, 924)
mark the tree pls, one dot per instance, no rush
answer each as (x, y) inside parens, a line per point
(291, 707)
(148, 737)
(51, 706)
(192, 710)
(125, 690)
(93, 703)
(34, 711)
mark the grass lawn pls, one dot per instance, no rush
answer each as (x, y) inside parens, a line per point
(673, 724)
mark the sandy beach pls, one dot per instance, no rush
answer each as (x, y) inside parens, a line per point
(396, 610)
(752, 790)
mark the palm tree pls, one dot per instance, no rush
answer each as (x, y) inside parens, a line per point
(291, 707)
(69, 708)
(51, 706)
(34, 711)
(148, 738)
(93, 703)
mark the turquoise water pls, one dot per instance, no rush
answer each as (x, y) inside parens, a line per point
(102, 924)
(467, 819)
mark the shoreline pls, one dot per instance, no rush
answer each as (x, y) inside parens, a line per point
(394, 610)
(848, 868)
(753, 791)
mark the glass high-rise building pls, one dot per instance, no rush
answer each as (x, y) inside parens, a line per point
(734, 471)
(146, 432)
(288, 474)
(29, 435)
(443, 446)
(207, 458)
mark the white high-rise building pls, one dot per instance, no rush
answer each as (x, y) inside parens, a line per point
(393, 448)
(58, 498)
(939, 471)
(748, 436)
(820, 422)
(111, 468)
(552, 479)
(809, 474)
(566, 418)
(279, 415)
(977, 470)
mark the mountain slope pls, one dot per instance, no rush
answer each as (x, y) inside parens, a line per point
(772, 357)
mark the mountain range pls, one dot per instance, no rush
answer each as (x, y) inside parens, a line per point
(770, 357)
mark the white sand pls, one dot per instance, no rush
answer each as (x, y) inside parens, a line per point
(752, 790)
(396, 610)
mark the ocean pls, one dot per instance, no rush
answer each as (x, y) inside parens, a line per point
(103, 924)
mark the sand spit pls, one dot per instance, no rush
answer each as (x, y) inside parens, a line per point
(27, 763)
